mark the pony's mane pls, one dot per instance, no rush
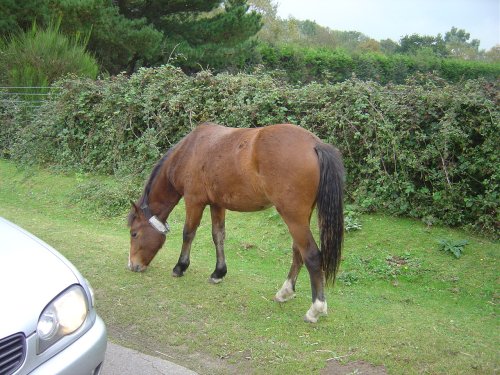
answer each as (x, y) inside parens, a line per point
(149, 183)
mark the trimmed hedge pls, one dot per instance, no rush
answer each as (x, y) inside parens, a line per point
(299, 64)
(426, 149)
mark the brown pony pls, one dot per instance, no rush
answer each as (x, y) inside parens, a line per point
(247, 170)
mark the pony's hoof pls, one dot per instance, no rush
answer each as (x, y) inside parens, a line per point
(318, 308)
(213, 280)
(281, 299)
(310, 319)
(179, 269)
(286, 292)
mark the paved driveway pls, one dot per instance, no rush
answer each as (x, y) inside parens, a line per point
(124, 361)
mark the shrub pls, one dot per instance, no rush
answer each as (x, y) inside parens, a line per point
(300, 64)
(39, 57)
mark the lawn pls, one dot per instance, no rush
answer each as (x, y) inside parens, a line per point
(399, 301)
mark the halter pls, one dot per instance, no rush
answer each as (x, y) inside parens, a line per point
(153, 219)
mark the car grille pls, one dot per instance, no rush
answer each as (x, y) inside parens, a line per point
(12, 351)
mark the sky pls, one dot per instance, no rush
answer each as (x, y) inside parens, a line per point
(393, 19)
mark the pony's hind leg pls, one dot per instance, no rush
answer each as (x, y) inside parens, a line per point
(313, 264)
(287, 291)
(193, 219)
(305, 243)
(218, 235)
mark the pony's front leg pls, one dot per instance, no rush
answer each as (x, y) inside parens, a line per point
(218, 236)
(193, 219)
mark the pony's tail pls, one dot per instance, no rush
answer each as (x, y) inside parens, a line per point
(330, 208)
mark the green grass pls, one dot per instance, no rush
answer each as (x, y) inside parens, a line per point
(399, 301)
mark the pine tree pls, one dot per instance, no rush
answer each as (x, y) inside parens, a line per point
(207, 33)
(127, 34)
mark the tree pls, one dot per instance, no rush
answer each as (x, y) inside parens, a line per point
(212, 32)
(18, 15)
(230, 27)
(308, 28)
(118, 42)
(454, 44)
(388, 46)
(159, 12)
(126, 34)
(268, 9)
(412, 44)
(369, 45)
(458, 45)
(493, 54)
(272, 27)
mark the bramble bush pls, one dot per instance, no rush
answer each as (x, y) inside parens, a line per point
(426, 149)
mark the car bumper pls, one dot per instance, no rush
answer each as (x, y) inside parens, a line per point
(85, 356)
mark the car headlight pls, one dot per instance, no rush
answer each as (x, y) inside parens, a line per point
(64, 315)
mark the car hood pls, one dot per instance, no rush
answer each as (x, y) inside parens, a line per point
(32, 274)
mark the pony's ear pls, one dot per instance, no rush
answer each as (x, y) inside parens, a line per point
(134, 206)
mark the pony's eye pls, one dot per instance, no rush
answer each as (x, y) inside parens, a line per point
(133, 234)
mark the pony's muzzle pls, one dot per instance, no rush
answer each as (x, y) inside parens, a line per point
(136, 267)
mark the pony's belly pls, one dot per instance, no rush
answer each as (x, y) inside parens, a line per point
(241, 203)
(249, 208)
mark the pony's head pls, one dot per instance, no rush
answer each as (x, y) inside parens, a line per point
(147, 235)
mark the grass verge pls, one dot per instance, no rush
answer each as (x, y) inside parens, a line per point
(399, 301)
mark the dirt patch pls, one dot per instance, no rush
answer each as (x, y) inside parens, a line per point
(396, 261)
(357, 367)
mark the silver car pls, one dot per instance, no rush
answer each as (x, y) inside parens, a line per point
(48, 323)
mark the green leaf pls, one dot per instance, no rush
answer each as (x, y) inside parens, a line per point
(454, 247)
